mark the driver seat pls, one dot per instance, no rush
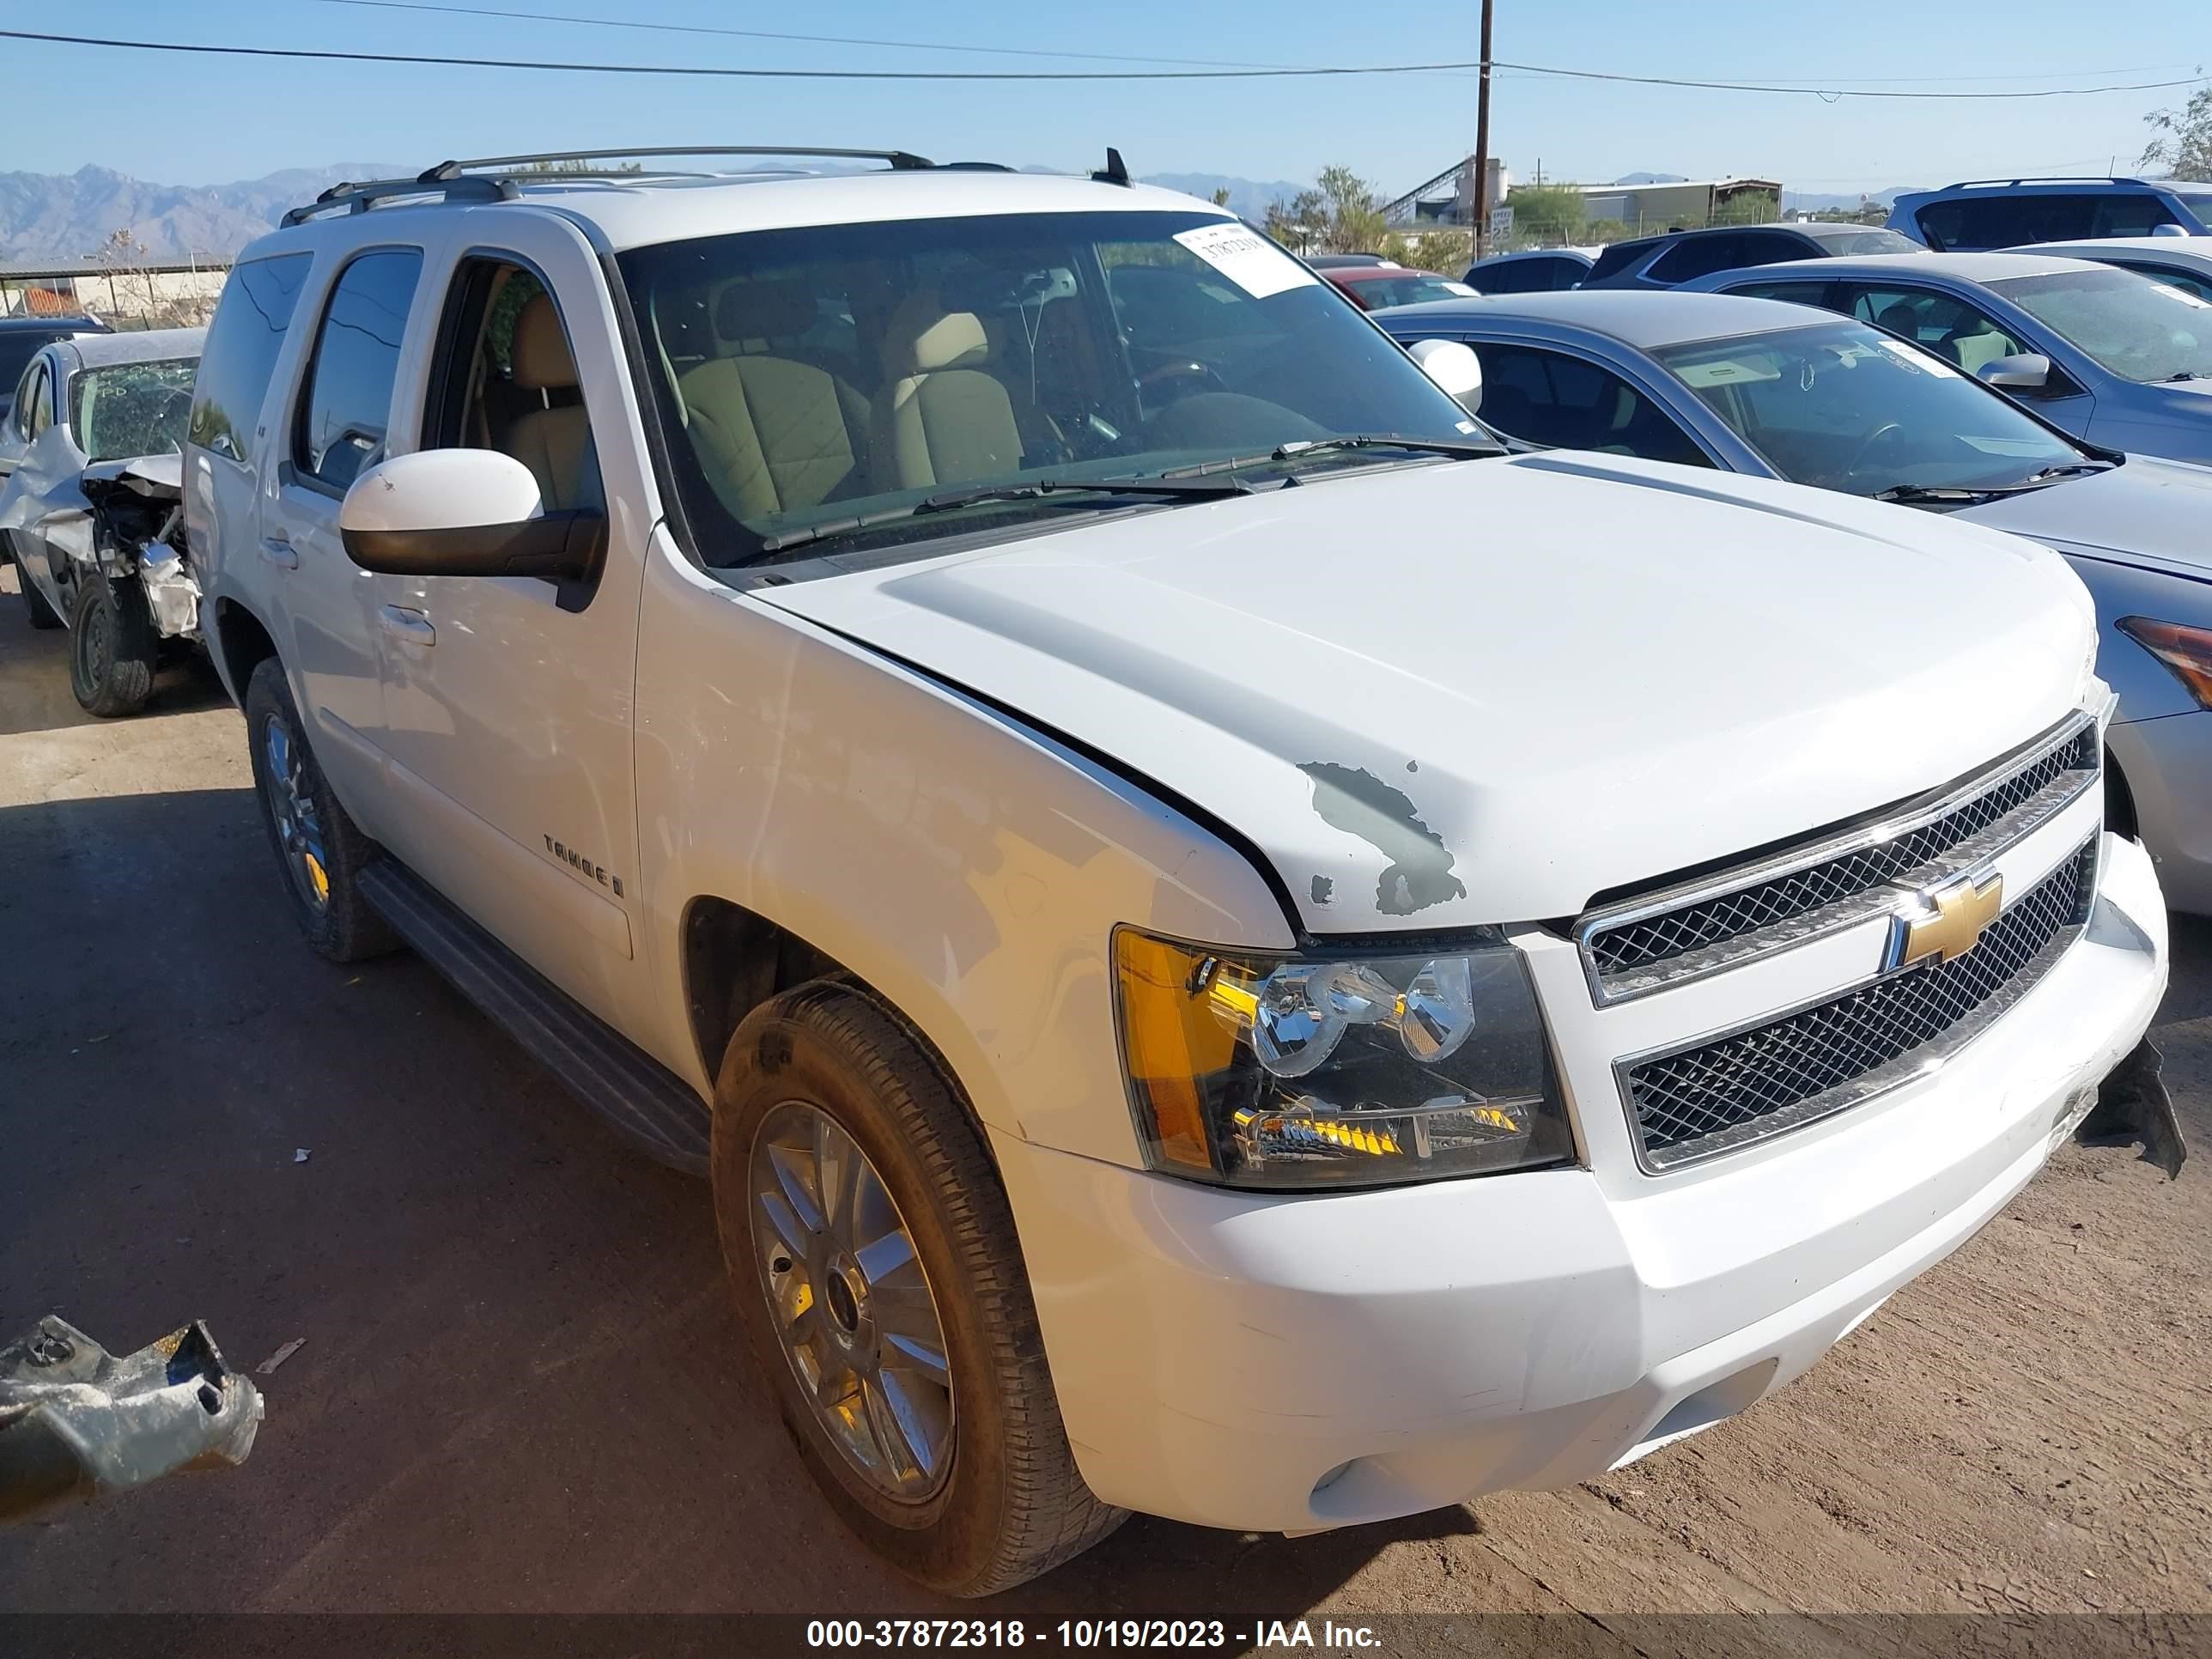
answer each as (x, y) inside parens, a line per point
(941, 418)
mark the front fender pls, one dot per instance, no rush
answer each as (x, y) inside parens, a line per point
(970, 869)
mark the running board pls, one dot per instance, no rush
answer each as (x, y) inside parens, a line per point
(647, 1103)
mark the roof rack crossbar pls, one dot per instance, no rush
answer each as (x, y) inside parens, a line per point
(361, 197)
(901, 160)
(2051, 179)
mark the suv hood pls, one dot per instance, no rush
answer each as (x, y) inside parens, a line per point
(1483, 691)
(2148, 513)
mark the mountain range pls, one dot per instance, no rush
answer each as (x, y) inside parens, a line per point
(65, 216)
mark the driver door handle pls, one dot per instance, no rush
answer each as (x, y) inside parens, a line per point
(411, 627)
(279, 551)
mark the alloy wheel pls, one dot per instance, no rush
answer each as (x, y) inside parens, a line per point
(851, 1303)
(292, 808)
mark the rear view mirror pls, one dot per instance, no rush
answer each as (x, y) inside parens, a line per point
(465, 513)
(1454, 367)
(2169, 229)
(2025, 371)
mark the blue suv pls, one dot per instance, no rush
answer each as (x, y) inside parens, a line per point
(1981, 214)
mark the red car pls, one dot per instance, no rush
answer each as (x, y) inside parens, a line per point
(1377, 288)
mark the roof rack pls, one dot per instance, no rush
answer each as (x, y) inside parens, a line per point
(480, 179)
(2054, 179)
(901, 160)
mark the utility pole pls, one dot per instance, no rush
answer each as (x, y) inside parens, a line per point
(1482, 142)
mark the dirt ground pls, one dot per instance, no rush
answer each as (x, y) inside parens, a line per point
(521, 1389)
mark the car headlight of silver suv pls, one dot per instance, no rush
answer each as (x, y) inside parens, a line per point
(1325, 1070)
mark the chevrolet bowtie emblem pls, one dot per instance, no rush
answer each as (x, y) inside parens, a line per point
(1950, 924)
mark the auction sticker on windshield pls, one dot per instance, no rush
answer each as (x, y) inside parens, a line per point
(1256, 266)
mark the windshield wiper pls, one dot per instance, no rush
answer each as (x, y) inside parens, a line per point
(1301, 447)
(2187, 375)
(1917, 495)
(1033, 489)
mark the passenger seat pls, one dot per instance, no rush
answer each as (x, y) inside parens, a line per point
(940, 418)
(553, 441)
(772, 433)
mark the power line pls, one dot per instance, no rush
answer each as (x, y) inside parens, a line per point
(642, 26)
(721, 72)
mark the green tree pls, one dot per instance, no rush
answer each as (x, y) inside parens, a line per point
(1353, 212)
(1548, 213)
(2184, 144)
(1298, 222)
(1221, 196)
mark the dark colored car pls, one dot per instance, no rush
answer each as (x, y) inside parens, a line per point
(21, 338)
(1378, 287)
(1682, 256)
(1538, 271)
(1980, 214)
(1343, 261)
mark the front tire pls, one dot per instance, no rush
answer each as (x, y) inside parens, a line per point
(113, 645)
(873, 1257)
(321, 852)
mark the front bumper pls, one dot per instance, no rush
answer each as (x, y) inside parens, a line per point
(1292, 1364)
(2167, 762)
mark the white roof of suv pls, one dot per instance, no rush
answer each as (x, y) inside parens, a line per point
(630, 210)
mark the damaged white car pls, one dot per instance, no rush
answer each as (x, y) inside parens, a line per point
(89, 505)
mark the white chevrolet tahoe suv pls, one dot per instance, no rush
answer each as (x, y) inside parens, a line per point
(1231, 949)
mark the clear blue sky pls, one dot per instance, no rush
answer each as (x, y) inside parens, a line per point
(226, 120)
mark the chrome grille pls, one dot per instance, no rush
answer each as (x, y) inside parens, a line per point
(1642, 945)
(1823, 1059)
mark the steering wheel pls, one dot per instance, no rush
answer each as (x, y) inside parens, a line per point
(1182, 370)
(1887, 429)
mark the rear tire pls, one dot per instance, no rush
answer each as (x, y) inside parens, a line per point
(36, 607)
(320, 851)
(1001, 1500)
(113, 646)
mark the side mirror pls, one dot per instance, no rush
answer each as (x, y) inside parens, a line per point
(2169, 229)
(1454, 367)
(465, 513)
(2026, 371)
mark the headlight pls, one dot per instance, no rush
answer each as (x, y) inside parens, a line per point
(2187, 651)
(1356, 1070)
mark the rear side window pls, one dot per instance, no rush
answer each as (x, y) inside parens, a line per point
(17, 348)
(242, 343)
(1701, 256)
(1513, 276)
(1971, 223)
(1617, 258)
(342, 421)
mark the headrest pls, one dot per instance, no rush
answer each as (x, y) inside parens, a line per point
(763, 310)
(541, 359)
(923, 339)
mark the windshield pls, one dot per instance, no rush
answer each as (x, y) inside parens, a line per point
(1411, 288)
(131, 409)
(1845, 407)
(2139, 328)
(808, 378)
